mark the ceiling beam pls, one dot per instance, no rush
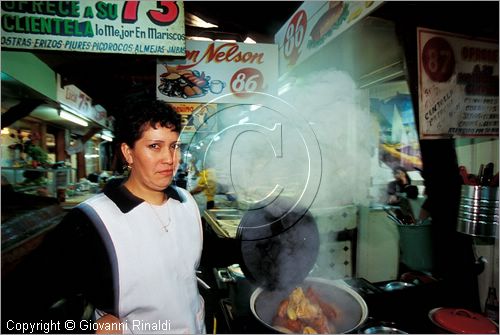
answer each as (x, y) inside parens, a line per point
(22, 109)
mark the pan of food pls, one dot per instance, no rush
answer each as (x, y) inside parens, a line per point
(279, 247)
(316, 306)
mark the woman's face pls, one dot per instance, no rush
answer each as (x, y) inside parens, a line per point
(154, 157)
(399, 175)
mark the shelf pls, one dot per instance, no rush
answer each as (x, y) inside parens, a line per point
(50, 179)
(24, 189)
(11, 168)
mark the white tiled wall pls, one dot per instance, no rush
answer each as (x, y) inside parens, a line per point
(334, 258)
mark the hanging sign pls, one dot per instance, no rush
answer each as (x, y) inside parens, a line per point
(73, 97)
(458, 85)
(315, 24)
(196, 117)
(124, 27)
(81, 103)
(227, 71)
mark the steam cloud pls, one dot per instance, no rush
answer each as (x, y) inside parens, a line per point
(314, 144)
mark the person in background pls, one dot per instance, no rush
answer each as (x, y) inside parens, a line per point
(132, 251)
(207, 185)
(425, 211)
(181, 175)
(401, 185)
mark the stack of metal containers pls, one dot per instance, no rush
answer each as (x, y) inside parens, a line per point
(478, 212)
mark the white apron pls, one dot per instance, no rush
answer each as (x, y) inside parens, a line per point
(155, 288)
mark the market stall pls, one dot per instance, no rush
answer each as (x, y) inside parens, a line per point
(347, 73)
(307, 132)
(44, 162)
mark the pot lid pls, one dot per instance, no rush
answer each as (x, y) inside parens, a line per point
(462, 321)
(279, 244)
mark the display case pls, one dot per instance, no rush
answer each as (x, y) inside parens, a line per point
(30, 208)
(38, 181)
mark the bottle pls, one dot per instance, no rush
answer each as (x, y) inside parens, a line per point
(491, 305)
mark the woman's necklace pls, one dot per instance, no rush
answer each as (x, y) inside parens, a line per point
(163, 225)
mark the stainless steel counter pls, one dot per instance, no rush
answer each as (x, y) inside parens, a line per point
(224, 221)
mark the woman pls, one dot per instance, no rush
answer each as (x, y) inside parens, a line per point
(133, 250)
(206, 184)
(400, 185)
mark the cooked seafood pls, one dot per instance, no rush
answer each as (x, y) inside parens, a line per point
(183, 83)
(305, 313)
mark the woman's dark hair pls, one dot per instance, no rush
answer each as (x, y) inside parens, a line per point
(137, 116)
(400, 168)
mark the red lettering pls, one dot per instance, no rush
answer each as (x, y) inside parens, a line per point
(129, 13)
(229, 52)
(247, 56)
(192, 55)
(168, 13)
(220, 56)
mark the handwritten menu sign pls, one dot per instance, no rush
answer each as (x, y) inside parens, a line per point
(458, 85)
(125, 27)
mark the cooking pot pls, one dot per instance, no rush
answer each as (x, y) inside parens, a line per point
(397, 285)
(374, 326)
(462, 321)
(381, 330)
(351, 309)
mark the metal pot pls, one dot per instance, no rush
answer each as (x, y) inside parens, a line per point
(381, 330)
(351, 307)
(462, 321)
(397, 285)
